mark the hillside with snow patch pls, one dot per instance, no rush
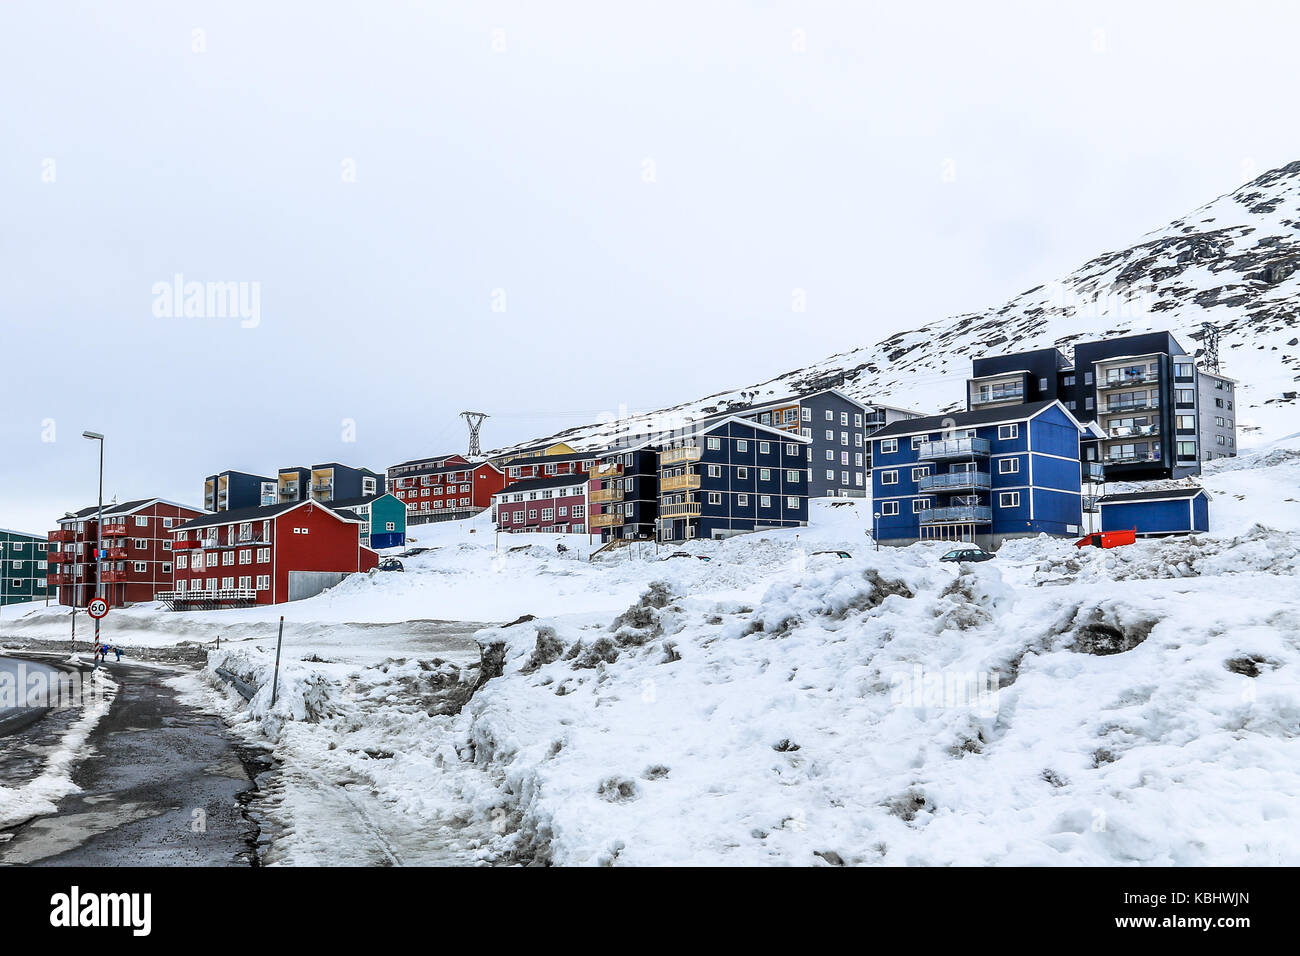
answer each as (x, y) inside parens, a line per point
(1234, 262)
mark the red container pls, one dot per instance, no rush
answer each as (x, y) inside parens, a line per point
(1107, 539)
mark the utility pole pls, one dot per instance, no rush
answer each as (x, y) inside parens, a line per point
(475, 421)
(99, 527)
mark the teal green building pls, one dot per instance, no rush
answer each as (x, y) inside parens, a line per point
(24, 574)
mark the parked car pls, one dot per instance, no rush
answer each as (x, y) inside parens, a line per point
(969, 554)
(1107, 539)
(391, 564)
(838, 554)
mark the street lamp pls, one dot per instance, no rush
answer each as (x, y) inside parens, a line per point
(99, 527)
(877, 533)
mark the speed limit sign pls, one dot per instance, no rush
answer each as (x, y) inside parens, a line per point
(97, 608)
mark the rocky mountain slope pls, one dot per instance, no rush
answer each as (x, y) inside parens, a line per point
(1234, 262)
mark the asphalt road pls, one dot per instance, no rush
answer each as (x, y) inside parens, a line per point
(161, 785)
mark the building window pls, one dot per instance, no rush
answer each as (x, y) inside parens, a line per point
(791, 501)
(888, 446)
(1006, 432)
(264, 582)
(715, 497)
(889, 508)
(919, 473)
(140, 567)
(713, 444)
(765, 501)
(715, 471)
(887, 477)
(1009, 466)
(764, 448)
(792, 476)
(742, 501)
(742, 445)
(920, 504)
(1009, 499)
(765, 474)
(742, 474)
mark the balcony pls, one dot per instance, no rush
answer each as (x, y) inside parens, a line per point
(1093, 471)
(113, 577)
(62, 536)
(610, 520)
(319, 486)
(184, 545)
(604, 495)
(115, 530)
(1124, 381)
(999, 396)
(956, 481)
(682, 453)
(1130, 459)
(116, 554)
(958, 514)
(1116, 408)
(1133, 431)
(679, 483)
(59, 557)
(954, 448)
(685, 509)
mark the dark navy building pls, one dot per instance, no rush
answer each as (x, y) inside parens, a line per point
(235, 490)
(980, 476)
(837, 428)
(1143, 392)
(624, 493)
(722, 478)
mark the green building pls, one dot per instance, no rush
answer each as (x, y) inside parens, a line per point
(383, 519)
(23, 570)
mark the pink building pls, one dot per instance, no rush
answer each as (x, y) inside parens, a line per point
(556, 505)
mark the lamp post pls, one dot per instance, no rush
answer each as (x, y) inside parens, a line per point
(99, 527)
(876, 534)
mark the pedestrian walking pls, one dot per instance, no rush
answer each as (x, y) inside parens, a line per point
(119, 652)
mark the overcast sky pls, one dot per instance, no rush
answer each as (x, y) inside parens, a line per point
(548, 210)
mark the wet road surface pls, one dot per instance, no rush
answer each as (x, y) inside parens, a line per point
(162, 785)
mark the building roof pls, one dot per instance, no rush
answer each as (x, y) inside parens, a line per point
(428, 459)
(749, 409)
(1165, 494)
(337, 464)
(125, 508)
(260, 513)
(25, 534)
(705, 425)
(242, 474)
(551, 459)
(537, 484)
(980, 416)
(448, 469)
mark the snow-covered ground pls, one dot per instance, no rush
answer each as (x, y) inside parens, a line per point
(776, 705)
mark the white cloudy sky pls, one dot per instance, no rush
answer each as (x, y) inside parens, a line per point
(505, 146)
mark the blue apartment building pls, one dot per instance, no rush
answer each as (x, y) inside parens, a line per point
(980, 476)
(728, 477)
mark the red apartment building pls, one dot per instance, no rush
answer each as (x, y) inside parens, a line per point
(267, 555)
(137, 560)
(555, 504)
(444, 492)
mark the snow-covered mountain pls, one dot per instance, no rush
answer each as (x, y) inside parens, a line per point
(1234, 262)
